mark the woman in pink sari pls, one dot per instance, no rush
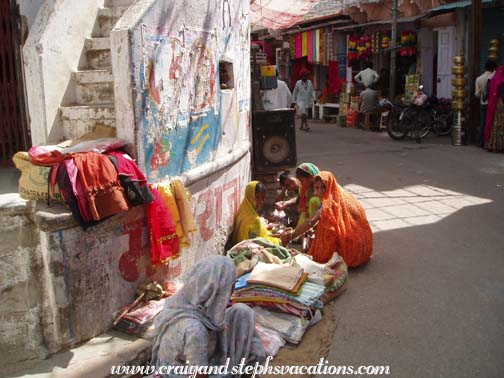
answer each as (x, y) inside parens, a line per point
(494, 125)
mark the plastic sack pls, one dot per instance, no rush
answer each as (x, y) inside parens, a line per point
(271, 339)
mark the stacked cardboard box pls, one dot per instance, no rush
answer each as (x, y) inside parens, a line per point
(411, 87)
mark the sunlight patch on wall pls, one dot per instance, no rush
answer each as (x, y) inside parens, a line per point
(410, 206)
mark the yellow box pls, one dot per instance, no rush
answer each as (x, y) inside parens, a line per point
(268, 71)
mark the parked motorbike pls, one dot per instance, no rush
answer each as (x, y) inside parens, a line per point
(416, 120)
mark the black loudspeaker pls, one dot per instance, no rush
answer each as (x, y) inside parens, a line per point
(274, 139)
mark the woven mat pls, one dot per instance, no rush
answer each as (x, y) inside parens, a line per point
(315, 344)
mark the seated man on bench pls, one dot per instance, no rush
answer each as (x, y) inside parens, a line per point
(370, 107)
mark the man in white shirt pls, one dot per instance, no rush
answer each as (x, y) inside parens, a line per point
(367, 76)
(481, 92)
(278, 98)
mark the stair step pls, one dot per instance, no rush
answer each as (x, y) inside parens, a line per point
(92, 76)
(106, 19)
(118, 3)
(93, 87)
(80, 119)
(97, 54)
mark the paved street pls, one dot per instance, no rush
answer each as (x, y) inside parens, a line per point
(431, 301)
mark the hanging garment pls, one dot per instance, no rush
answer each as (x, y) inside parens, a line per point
(310, 47)
(183, 201)
(304, 44)
(164, 242)
(334, 85)
(299, 46)
(132, 179)
(166, 194)
(78, 189)
(100, 182)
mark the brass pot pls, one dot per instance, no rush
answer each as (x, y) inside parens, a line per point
(493, 50)
(458, 60)
(459, 94)
(458, 105)
(458, 82)
(492, 57)
(459, 70)
(495, 41)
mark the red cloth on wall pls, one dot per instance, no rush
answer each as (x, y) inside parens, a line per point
(164, 242)
(334, 81)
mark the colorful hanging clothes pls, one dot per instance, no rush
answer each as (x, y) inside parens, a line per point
(334, 84)
(304, 44)
(299, 46)
(310, 47)
(343, 226)
(183, 201)
(316, 49)
(132, 179)
(164, 242)
(247, 223)
(166, 193)
(78, 189)
(323, 48)
(101, 185)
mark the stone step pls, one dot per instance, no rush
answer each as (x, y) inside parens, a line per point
(98, 53)
(105, 21)
(93, 359)
(78, 120)
(93, 87)
(118, 3)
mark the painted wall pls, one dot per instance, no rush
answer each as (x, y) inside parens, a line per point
(171, 106)
(51, 53)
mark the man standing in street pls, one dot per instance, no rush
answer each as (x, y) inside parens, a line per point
(304, 95)
(481, 87)
(367, 76)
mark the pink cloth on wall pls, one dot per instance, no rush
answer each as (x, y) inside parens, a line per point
(310, 47)
(299, 46)
(334, 81)
(496, 81)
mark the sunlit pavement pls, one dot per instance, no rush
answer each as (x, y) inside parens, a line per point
(431, 301)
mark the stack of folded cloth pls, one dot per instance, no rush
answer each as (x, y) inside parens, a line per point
(279, 288)
(282, 296)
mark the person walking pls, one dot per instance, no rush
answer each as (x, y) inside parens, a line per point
(481, 90)
(304, 96)
(278, 98)
(367, 76)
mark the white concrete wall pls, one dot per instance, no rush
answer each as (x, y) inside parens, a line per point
(29, 9)
(51, 53)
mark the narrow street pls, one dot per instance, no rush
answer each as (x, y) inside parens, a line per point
(430, 302)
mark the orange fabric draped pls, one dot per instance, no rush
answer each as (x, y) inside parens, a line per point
(343, 226)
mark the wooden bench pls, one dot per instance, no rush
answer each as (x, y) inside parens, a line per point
(320, 108)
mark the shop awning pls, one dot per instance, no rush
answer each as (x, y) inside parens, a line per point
(452, 6)
(381, 22)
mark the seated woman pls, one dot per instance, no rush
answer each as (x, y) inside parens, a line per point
(248, 224)
(195, 328)
(288, 198)
(309, 203)
(342, 225)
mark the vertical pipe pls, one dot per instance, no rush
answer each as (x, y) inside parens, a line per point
(475, 51)
(393, 51)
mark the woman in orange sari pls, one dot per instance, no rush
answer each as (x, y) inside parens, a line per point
(342, 225)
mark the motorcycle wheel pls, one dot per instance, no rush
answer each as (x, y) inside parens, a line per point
(442, 126)
(394, 128)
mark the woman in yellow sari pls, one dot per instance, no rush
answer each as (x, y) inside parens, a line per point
(248, 223)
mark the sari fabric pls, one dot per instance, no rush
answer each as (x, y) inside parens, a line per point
(343, 227)
(247, 223)
(495, 93)
(164, 242)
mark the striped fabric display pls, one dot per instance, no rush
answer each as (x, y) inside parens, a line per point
(299, 46)
(323, 47)
(310, 46)
(316, 50)
(304, 40)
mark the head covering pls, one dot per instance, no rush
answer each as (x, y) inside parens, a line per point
(343, 226)
(306, 193)
(247, 222)
(309, 168)
(304, 72)
(204, 296)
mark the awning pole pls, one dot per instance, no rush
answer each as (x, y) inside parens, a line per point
(393, 51)
(475, 64)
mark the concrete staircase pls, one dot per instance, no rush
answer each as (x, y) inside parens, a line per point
(90, 95)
